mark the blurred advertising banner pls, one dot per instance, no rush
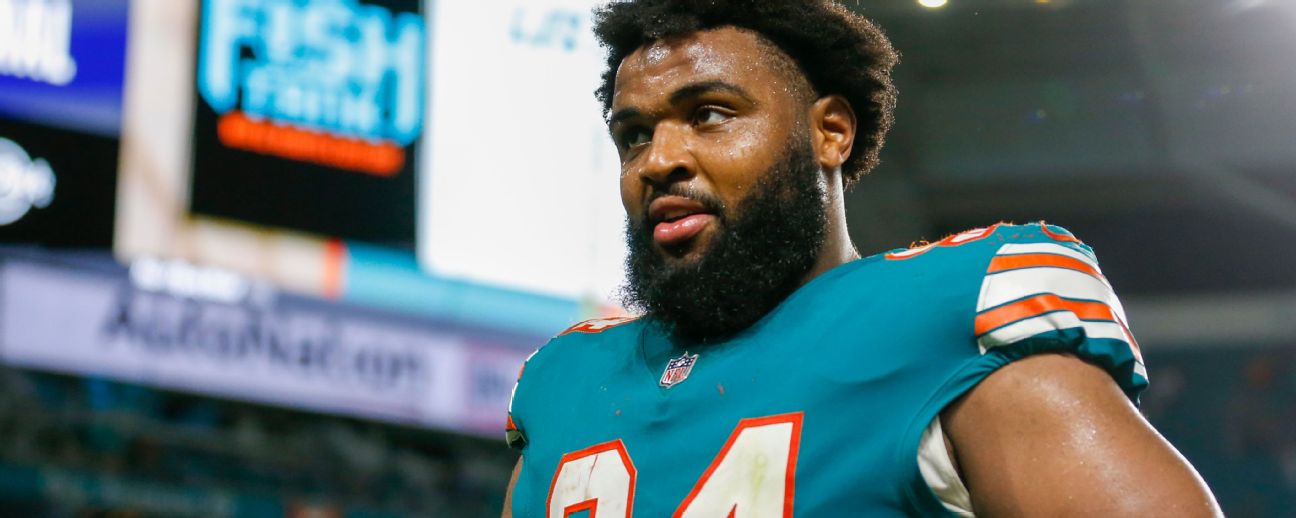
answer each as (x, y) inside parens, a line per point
(193, 329)
(62, 63)
(295, 142)
(170, 128)
(56, 187)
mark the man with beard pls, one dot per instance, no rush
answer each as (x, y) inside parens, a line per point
(774, 371)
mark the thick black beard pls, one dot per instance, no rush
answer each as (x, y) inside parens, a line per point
(760, 255)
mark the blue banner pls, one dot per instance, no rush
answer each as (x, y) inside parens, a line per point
(62, 63)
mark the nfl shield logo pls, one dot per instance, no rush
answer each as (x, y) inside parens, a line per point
(677, 369)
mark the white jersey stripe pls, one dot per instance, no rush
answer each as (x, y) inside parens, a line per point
(1054, 321)
(513, 393)
(1027, 328)
(1047, 248)
(1011, 285)
(1051, 322)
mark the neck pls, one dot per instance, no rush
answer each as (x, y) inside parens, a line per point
(837, 249)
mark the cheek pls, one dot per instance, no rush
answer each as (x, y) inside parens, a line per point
(630, 199)
(741, 159)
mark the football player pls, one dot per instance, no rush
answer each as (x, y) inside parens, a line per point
(774, 371)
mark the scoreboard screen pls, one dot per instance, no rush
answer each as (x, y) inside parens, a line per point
(61, 75)
(392, 152)
(308, 116)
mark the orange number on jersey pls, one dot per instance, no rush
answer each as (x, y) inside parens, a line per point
(754, 474)
(960, 238)
(745, 479)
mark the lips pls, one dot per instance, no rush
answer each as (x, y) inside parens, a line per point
(677, 219)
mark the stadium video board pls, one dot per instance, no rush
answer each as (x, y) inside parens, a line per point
(327, 149)
(308, 115)
(61, 72)
(56, 186)
(316, 145)
(262, 136)
(61, 63)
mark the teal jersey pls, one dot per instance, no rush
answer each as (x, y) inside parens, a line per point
(818, 408)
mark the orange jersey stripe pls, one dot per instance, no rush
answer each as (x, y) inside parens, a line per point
(1012, 262)
(1058, 236)
(597, 325)
(510, 425)
(1038, 305)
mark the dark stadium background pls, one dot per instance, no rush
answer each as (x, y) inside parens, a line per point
(1162, 132)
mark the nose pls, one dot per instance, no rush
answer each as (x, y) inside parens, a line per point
(668, 158)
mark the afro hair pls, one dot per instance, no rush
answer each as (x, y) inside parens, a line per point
(839, 52)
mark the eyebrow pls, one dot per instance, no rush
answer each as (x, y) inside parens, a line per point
(685, 92)
(623, 114)
(705, 87)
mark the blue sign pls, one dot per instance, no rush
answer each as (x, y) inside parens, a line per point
(62, 63)
(338, 66)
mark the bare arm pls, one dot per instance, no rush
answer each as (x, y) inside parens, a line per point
(1052, 435)
(508, 497)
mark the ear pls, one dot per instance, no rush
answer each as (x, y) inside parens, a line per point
(832, 129)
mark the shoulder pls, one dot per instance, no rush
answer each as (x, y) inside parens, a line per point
(597, 325)
(1016, 290)
(991, 240)
(940, 281)
(1042, 289)
(594, 334)
(1038, 269)
(586, 341)
(928, 295)
(1042, 242)
(1002, 262)
(1039, 277)
(943, 279)
(591, 344)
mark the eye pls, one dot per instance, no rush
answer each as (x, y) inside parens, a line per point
(635, 136)
(710, 115)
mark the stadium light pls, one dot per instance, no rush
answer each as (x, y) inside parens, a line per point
(933, 4)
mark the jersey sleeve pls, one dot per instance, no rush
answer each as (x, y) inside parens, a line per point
(528, 390)
(514, 435)
(1043, 291)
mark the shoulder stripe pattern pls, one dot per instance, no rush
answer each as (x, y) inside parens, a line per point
(1058, 236)
(598, 325)
(1035, 288)
(1001, 288)
(1005, 263)
(996, 318)
(1049, 248)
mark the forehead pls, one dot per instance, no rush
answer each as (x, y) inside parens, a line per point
(732, 55)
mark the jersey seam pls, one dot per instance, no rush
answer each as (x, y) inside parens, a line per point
(922, 419)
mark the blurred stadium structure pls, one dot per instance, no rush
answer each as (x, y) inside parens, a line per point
(250, 269)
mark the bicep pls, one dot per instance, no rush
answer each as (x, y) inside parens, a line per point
(508, 496)
(1051, 435)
